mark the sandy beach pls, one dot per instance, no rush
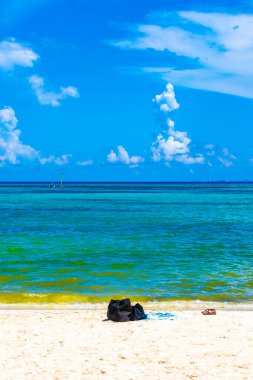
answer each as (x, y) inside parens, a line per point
(76, 343)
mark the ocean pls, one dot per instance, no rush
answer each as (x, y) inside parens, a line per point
(91, 242)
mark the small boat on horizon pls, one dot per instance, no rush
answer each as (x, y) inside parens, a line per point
(52, 185)
(61, 181)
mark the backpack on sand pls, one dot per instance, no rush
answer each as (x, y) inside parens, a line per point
(122, 311)
(138, 313)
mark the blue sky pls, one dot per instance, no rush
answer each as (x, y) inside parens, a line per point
(126, 91)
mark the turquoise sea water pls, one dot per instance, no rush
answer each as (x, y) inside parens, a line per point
(147, 241)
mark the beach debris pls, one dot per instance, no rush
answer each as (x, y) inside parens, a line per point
(123, 311)
(209, 312)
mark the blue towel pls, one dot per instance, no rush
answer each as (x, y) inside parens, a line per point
(161, 316)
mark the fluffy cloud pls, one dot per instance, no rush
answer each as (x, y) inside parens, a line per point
(15, 54)
(175, 146)
(46, 160)
(167, 99)
(218, 48)
(226, 159)
(11, 147)
(210, 150)
(172, 145)
(63, 159)
(85, 163)
(185, 159)
(222, 155)
(49, 97)
(123, 157)
(60, 161)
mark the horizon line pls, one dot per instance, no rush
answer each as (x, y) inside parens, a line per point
(134, 182)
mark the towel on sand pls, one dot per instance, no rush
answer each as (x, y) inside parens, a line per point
(161, 316)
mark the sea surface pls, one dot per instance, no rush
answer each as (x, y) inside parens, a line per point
(149, 241)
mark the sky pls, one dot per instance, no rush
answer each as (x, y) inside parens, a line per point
(126, 91)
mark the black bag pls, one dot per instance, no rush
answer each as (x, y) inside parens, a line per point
(122, 311)
(137, 313)
(119, 311)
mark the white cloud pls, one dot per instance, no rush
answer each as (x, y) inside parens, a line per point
(51, 98)
(174, 39)
(219, 45)
(210, 149)
(15, 54)
(175, 145)
(123, 157)
(63, 159)
(188, 160)
(222, 155)
(11, 147)
(85, 163)
(8, 118)
(46, 160)
(226, 153)
(226, 159)
(232, 31)
(112, 157)
(60, 161)
(167, 99)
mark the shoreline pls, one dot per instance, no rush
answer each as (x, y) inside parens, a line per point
(174, 305)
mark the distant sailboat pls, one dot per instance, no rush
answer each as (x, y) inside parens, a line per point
(52, 185)
(61, 181)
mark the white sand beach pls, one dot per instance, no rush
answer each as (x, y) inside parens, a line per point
(75, 344)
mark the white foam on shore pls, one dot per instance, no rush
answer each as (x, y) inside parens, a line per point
(150, 305)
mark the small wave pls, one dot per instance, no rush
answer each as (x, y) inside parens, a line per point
(78, 301)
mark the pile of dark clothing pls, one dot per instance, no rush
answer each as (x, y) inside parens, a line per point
(123, 311)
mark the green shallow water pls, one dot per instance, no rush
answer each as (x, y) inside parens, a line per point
(91, 242)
